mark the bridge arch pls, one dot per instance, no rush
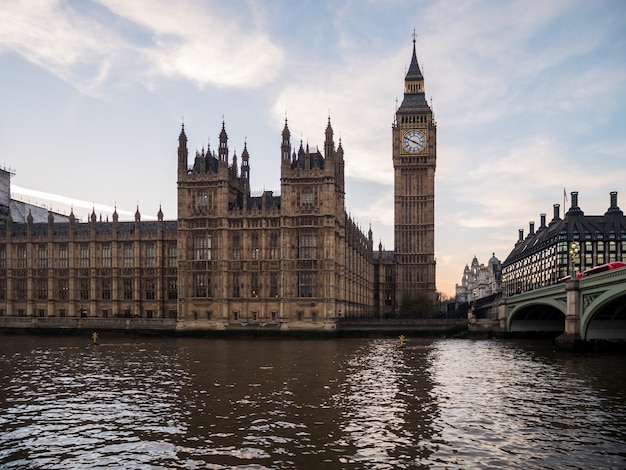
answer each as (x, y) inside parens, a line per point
(605, 315)
(542, 315)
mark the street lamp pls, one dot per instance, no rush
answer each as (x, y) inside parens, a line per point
(574, 249)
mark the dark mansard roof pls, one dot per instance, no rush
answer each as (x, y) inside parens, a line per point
(575, 226)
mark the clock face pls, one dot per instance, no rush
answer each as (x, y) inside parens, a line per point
(414, 141)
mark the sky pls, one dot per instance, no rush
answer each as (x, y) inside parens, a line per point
(529, 98)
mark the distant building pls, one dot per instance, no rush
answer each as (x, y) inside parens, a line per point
(480, 289)
(479, 281)
(542, 257)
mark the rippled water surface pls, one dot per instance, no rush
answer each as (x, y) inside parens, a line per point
(349, 403)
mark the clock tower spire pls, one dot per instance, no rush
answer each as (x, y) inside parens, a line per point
(414, 137)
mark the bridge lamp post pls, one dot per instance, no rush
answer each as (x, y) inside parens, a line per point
(574, 249)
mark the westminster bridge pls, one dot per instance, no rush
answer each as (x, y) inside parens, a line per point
(591, 308)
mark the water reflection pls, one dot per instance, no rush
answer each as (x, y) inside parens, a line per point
(77, 406)
(387, 407)
(350, 404)
(507, 406)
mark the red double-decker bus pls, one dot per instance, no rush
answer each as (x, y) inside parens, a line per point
(600, 269)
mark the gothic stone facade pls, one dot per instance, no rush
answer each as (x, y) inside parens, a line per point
(414, 160)
(296, 258)
(232, 258)
(103, 269)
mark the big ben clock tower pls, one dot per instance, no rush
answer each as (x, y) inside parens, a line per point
(414, 160)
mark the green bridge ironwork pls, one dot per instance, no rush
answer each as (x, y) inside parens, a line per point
(590, 308)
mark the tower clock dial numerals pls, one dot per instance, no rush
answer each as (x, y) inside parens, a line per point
(414, 141)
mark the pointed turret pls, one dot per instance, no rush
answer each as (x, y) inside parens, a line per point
(234, 166)
(182, 151)
(339, 165)
(223, 149)
(414, 97)
(414, 74)
(285, 147)
(245, 168)
(329, 144)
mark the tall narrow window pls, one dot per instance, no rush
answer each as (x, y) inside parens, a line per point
(306, 284)
(150, 255)
(84, 255)
(42, 261)
(84, 289)
(236, 285)
(20, 289)
(236, 247)
(173, 255)
(202, 283)
(307, 245)
(274, 246)
(254, 284)
(106, 255)
(21, 257)
(63, 263)
(63, 289)
(307, 199)
(172, 288)
(202, 247)
(3, 257)
(254, 246)
(274, 285)
(128, 255)
(203, 202)
(41, 286)
(128, 289)
(106, 289)
(150, 289)
(612, 252)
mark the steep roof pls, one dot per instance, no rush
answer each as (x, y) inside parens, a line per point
(575, 225)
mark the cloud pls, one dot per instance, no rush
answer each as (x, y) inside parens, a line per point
(195, 41)
(139, 41)
(359, 105)
(54, 37)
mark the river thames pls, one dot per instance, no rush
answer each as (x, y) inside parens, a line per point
(182, 403)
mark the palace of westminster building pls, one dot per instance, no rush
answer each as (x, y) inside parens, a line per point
(294, 260)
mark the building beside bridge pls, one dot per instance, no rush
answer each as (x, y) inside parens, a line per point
(545, 256)
(233, 256)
